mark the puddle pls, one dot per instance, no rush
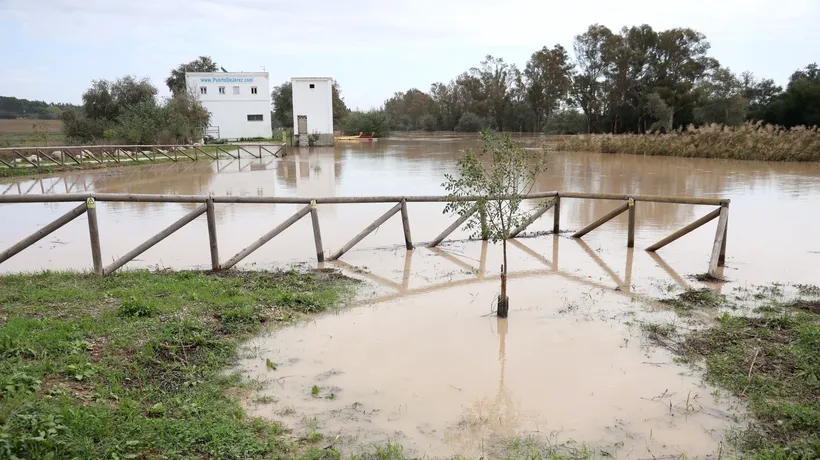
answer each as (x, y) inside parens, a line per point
(436, 372)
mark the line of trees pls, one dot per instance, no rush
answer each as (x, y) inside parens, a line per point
(636, 80)
(127, 110)
(12, 107)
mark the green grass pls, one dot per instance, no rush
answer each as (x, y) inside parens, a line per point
(773, 362)
(132, 365)
(691, 299)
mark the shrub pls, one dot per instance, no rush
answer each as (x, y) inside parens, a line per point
(750, 141)
(374, 121)
(471, 123)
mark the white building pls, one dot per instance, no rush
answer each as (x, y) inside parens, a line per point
(313, 109)
(239, 102)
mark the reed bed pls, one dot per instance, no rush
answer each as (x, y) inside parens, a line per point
(750, 141)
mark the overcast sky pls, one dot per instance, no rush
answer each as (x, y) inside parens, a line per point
(52, 49)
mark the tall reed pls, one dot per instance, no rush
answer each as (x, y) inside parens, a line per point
(750, 141)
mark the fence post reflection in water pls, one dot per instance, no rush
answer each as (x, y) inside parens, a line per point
(208, 203)
(478, 275)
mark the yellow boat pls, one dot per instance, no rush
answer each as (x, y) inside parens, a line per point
(360, 137)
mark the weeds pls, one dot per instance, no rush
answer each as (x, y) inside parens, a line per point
(773, 361)
(691, 299)
(751, 141)
(132, 365)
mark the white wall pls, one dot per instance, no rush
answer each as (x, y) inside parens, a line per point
(229, 111)
(316, 103)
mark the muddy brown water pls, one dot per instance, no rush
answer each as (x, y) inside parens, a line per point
(419, 362)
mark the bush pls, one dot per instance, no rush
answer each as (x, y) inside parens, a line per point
(374, 121)
(745, 142)
(428, 122)
(471, 123)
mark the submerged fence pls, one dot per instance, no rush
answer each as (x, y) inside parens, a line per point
(43, 157)
(551, 200)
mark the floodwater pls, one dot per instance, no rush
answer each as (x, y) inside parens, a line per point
(419, 361)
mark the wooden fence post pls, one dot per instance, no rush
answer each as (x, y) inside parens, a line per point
(94, 234)
(405, 220)
(630, 238)
(317, 232)
(211, 216)
(556, 220)
(720, 238)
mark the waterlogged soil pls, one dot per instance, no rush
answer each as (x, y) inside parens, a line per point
(431, 368)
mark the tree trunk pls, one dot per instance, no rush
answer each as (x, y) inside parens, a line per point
(503, 300)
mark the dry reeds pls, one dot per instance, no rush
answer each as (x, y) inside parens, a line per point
(751, 141)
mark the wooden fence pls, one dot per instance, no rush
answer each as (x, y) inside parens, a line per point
(549, 200)
(43, 157)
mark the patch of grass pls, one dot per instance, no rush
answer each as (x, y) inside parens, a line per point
(132, 365)
(773, 361)
(692, 299)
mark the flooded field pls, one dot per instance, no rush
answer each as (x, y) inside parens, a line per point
(420, 362)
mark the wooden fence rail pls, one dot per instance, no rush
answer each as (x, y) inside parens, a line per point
(78, 155)
(208, 203)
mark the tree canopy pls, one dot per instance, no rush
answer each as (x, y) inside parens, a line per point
(176, 81)
(12, 107)
(126, 110)
(635, 80)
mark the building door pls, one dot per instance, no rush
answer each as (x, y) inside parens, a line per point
(302, 128)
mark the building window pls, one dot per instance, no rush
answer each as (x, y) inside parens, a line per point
(255, 118)
(253, 89)
(221, 90)
(203, 90)
(312, 86)
(236, 91)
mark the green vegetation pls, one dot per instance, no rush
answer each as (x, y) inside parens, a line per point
(176, 81)
(502, 175)
(132, 365)
(12, 108)
(689, 300)
(771, 360)
(744, 142)
(636, 80)
(374, 122)
(126, 111)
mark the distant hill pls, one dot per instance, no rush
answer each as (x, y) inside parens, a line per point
(12, 107)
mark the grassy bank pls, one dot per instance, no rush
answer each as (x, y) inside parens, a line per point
(132, 365)
(26, 169)
(745, 142)
(771, 360)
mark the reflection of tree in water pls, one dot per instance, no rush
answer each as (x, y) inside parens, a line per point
(491, 417)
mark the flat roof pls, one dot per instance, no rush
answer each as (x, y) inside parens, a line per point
(227, 74)
(311, 78)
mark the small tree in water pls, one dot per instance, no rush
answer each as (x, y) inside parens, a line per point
(500, 176)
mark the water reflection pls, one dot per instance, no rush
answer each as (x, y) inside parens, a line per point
(781, 192)
(468, 273)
